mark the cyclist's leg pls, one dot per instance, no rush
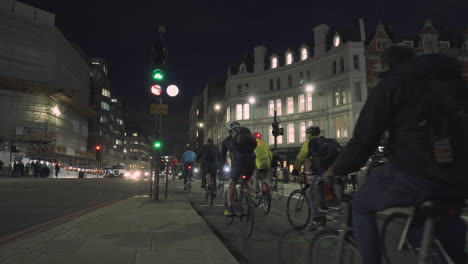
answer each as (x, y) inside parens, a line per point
(213, 174)
(235, 175)
(312, 198)
(203, 175)
(255, 181)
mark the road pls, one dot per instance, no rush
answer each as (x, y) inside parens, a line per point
(26, 202)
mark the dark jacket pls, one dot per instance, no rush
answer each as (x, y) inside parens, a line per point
(236, 156)
(396, 105)
(208, 156)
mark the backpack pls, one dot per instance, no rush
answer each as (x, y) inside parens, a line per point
(447, 131)
(242, 140)
(323, 152)
(211, 153)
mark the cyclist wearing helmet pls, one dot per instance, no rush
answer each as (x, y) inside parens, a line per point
(312, 132)
(263, 159)
(241, 144)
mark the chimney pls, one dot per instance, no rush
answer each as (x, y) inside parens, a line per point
(362, 30)
(320, 36)
(260, 52)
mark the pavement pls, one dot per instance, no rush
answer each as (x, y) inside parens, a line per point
(135, 230)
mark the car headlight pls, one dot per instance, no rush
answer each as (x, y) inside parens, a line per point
(127, 174)
(146, 173)
(136, 174)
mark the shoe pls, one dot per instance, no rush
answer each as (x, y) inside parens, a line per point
(316, 222)
(227, 212)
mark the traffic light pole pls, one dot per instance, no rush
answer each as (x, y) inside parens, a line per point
(275, 121)
(157, 166)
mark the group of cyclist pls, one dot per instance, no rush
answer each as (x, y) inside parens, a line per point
(397, 106)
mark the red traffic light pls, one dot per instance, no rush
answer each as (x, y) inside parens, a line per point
(156, 89)
(98, 147)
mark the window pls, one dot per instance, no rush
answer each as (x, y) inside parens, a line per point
(271, 108)
(334, 67)
(301, 77)
(106, 93)
(356, 62)
(342, 65)
(381, 44)
(444, 44)
(118, 142)
(271, 85)
(428, 46)
(238, 111)
(301, 103)
(271, 138)
(113, 100)
(289, 58)
(302, 132)
(246, 89)
(308, 75)
(278, 83)
(290, 104)
(239, 90)
(278, 107)
(303, 54)
(103, 119)
(344, 99)
(274, 63)
(105, 106)
(228, 114)
(246, 111)
(291, 138)
(310, 123)
(135, 134)
(120, 122)
(336, 98)
(357, 91)
(289, 81)
(341, 126)
(309, 101)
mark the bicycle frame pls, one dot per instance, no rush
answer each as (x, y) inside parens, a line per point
(344, 228)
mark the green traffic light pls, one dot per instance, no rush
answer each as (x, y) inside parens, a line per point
(157, 144)
(158, 75)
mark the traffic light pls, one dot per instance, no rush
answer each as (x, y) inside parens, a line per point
(98, 147)
(157, 144)
(158, 75)
(98, 151)
(275, 128)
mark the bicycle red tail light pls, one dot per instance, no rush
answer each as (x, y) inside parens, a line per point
(244, 177)
(189, 167)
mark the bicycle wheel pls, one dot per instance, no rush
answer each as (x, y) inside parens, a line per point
(246, 216)
(257, 200)
(279, 190)
(323, 249)
(392, 230)
(298, 209)
(266, 199)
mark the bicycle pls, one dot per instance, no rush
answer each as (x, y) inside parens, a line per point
(222, 180)
(430, 249)
(263, 198)
(278, 188)
(336, 245)
(210, 190)
(242, 207)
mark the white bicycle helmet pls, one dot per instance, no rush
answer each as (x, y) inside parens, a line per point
(232, 125)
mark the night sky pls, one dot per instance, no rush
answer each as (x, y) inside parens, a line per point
(206, 36)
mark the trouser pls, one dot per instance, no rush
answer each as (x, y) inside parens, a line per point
(260, 175)
(385, 188)
(312, 193)
(208, 171)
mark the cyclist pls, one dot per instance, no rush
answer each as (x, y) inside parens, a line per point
(263, 159)
(188, 161)
(241, 144)
(208, 157)
(312, 134)
(399, 104)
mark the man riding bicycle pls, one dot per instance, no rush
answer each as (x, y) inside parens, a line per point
(263, 159)
(402, 104)
(208, 157)
(241, 144)
(188, 161)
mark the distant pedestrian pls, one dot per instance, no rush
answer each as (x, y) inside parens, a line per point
(21, 169)
(15, 169)
(1, 165)
(57, 170)
(37, 169)
(26, 169)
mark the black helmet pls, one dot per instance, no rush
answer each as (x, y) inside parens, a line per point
(314, 130)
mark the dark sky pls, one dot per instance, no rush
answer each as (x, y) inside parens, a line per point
(206, 36)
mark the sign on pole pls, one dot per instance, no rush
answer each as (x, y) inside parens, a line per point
(159, 109)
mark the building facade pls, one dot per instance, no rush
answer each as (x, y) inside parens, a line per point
(213, 96)
(44, 89)
(196, 125)
(322, 84)
(136, 150)
(107, 128)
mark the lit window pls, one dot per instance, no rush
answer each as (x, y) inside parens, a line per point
(135, 134)
(113, 100)
(118, 142)
(238, 111)
(196, 134)
(103, 119)
(290, 104)
(106, 93)
(271, 108)
(274, 63)
(120, 122)
(310, 123)
(271, 137)
(228, 114)
(278, 107)
(291, 137)
(309, 101)
(304, 54)
(105, 106)
(246, 111)
(289, 58)
(302, 132)
(336, 41)
(198, 112)
(341, 126)
(301, 103)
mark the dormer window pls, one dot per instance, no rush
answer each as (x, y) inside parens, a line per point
(304, 54)
(242, 69)
(274, 63)
(289, 58)
(336, 41)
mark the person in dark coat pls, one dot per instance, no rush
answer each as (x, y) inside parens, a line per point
(21, 169)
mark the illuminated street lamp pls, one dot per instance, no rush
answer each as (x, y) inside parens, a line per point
(172, 90)
(251, 100)
(309, 88)
(217, 107)
(200, 124)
